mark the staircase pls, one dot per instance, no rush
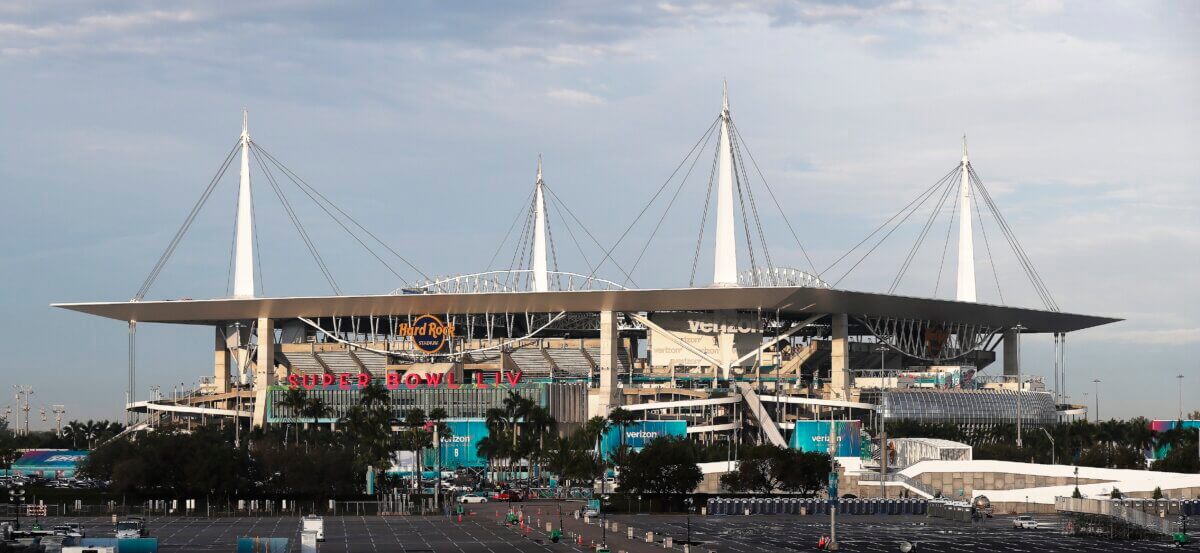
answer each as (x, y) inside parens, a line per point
(761, 414)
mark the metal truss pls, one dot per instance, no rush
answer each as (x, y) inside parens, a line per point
(933, 341)
(516, 280)
(780, 276)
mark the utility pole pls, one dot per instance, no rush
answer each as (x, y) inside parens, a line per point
(1097, 383)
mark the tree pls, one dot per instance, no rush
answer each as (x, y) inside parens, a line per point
(666, 465)
(1116, 494)
(8, 445)
(1114, 456)
(1179, 459)
(768, 468)
(1076, 493)
(1157, 493)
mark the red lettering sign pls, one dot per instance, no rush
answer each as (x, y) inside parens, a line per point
(412, 381)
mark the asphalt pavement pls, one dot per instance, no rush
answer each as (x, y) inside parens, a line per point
(483, 529)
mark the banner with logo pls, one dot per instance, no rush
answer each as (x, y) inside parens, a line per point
(640, 433)
(700, 330)
(814, 436)
(459, 449)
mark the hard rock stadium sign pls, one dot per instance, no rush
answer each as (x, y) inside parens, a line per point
(412, 381)
(429, 334)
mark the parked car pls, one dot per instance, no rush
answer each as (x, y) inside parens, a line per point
(1025, 522)
(473, 498)
(590, 513)
(502, 495)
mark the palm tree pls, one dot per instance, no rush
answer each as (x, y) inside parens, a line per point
(622, 418)
(293, 400)
(416, 440)
(373, 394)
(315, 408)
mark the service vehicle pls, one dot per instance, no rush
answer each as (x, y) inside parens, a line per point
(314, 523)
(1025, 522)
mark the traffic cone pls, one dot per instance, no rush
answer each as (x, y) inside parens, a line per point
(460, 517)
(579, 539)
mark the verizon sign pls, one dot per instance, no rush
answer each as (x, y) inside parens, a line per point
(701, 331)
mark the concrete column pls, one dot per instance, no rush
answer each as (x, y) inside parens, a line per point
(725, 343)
(608, 395)
(839, 358)
(221, 362)
(1010, 353)
(264, 370)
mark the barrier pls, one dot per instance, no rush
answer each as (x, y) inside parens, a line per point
(777, 506)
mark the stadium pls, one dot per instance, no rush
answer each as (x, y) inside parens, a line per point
(758, 354)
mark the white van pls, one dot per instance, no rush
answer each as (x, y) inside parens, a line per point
(314, 523)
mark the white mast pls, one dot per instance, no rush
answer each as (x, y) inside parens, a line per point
(725, 258)
(243, 267)
(966, 242)
(540, 276)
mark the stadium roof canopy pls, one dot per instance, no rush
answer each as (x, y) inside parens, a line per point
(786, 301)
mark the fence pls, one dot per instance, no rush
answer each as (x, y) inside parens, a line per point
(1116, 510)
(950, 510)
(811, 506)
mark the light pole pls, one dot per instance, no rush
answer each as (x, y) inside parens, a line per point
(1020, 401)
(1180, 377)
(883, 451)
(1053, 460)
(688, 502)
(1097, 383)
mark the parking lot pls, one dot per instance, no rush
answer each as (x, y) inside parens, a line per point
(483, 531)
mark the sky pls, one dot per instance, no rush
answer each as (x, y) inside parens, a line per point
(424, 121)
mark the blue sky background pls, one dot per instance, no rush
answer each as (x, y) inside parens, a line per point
(424, 121)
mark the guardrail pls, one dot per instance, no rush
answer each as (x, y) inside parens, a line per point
(1115, 510)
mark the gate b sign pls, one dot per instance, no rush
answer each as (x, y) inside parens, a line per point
(428, 333)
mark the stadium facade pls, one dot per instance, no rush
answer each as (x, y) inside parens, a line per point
(757, 355)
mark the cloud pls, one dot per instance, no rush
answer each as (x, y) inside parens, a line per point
(574, 97)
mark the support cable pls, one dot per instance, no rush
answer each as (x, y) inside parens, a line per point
(304, 184)
(704, 218)
(187, 223)
(921, 197)
(762, 237)
(671, 203)
(1026, 263)
(519, 248)
(583, 227)
(507, 234)
(629, 227)
(337, 220)
(745, 223)
(550, 238)
(946, 245)
(778, 206)
(287, 206)
(991, 260)
(912, 253)
(570, 233)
